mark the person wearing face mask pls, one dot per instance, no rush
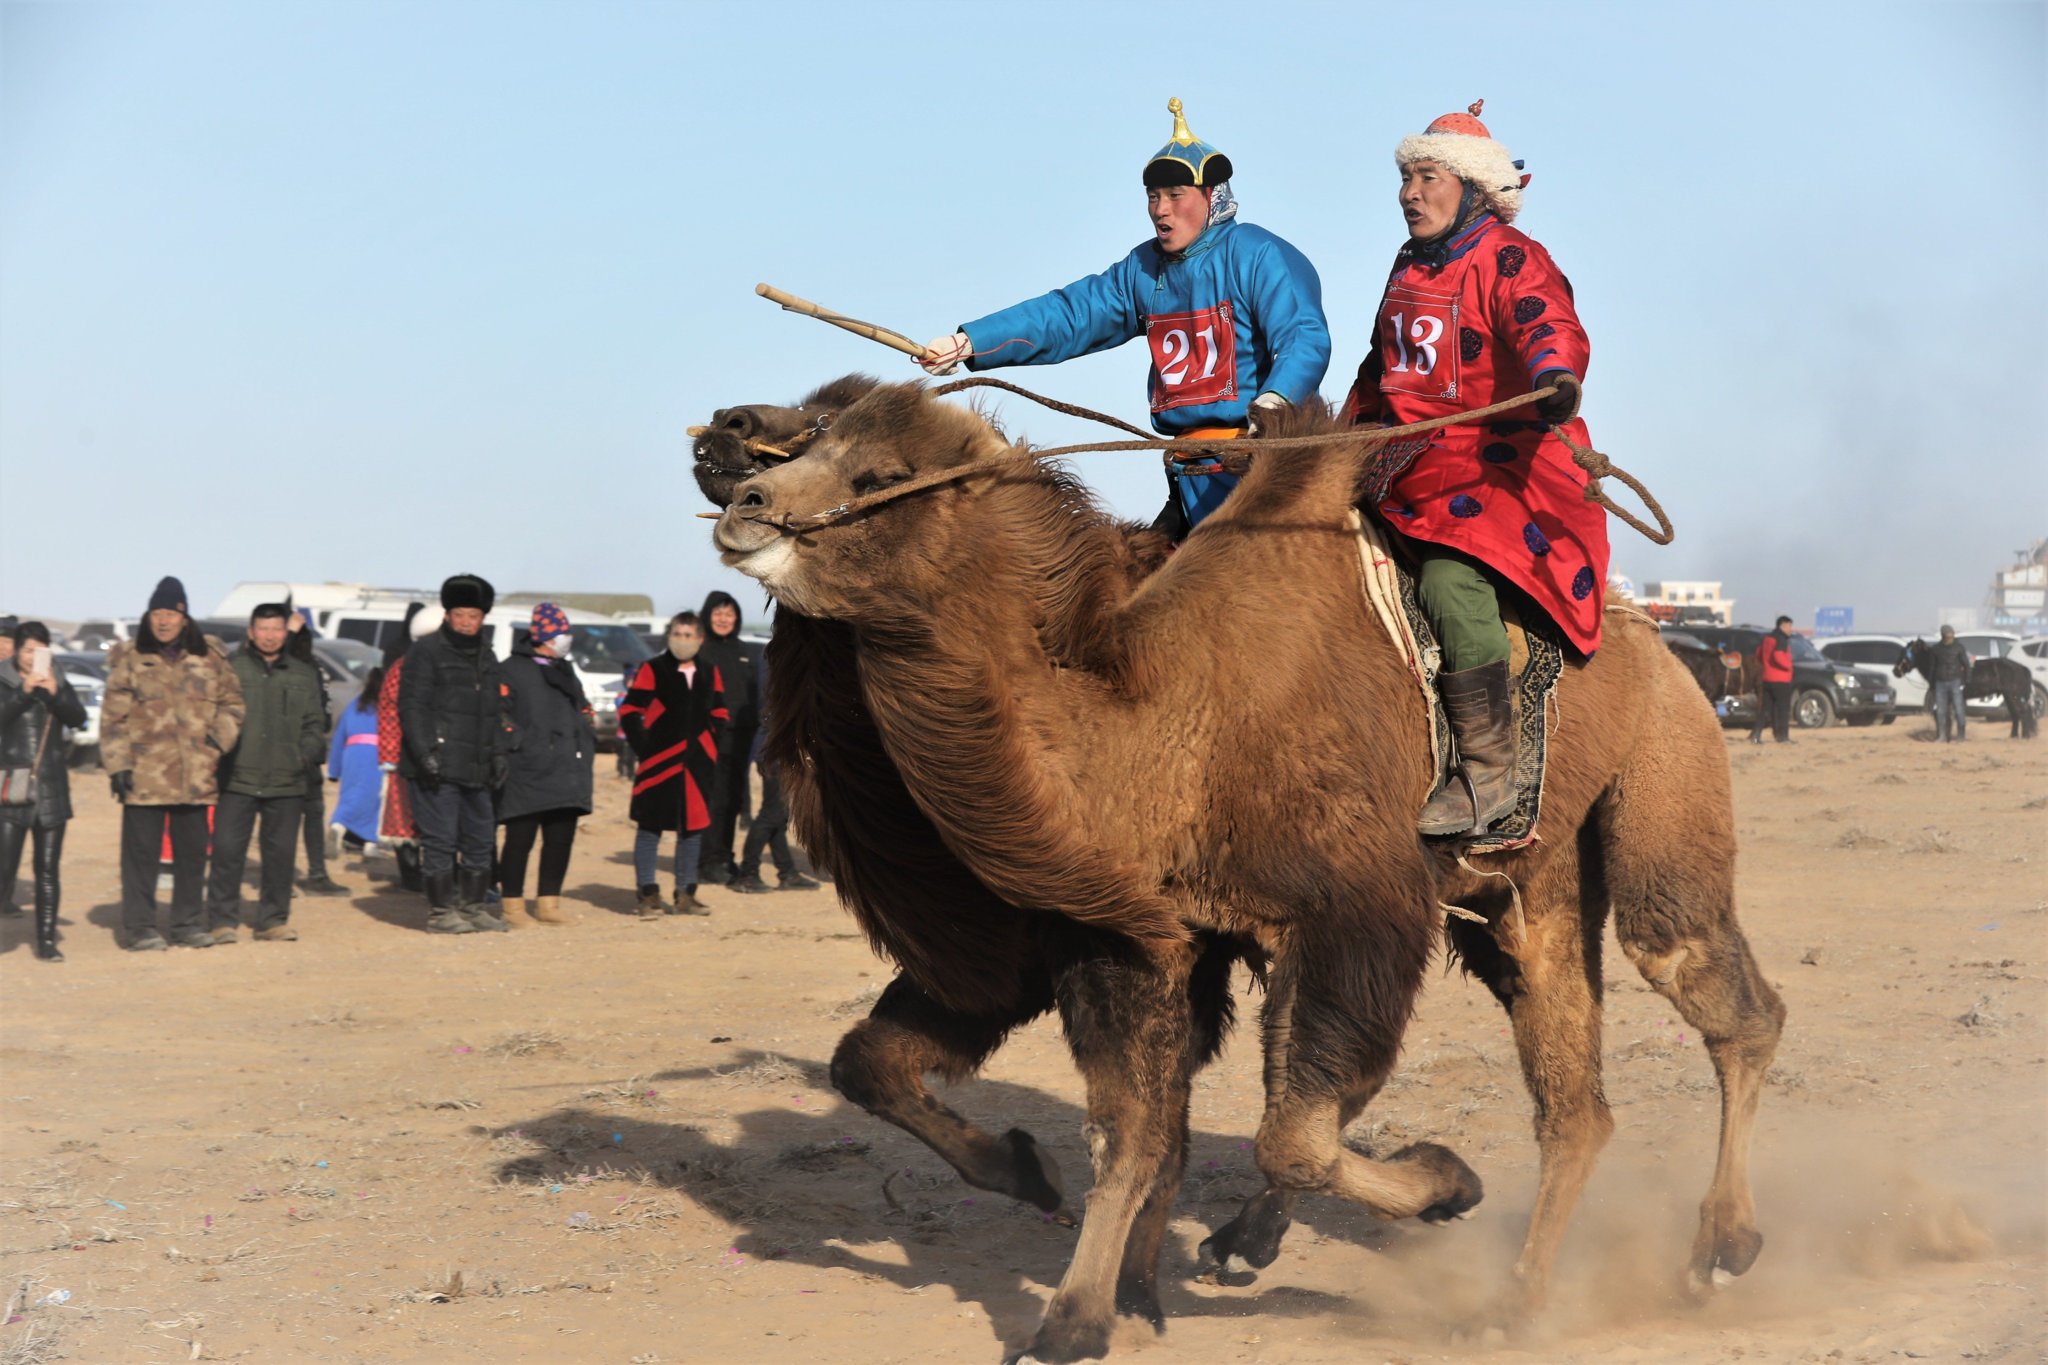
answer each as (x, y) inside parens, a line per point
(173, 710)
(1232, 314)
(1474, 312)
(674, 716)
(36, 706)
(548, 767)
(284, 732)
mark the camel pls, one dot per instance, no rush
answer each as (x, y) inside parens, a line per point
(2004, 678)
(994, 702)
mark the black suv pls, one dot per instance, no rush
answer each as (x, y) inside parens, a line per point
(1821, 688)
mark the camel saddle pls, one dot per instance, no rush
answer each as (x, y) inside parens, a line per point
(1535, 661)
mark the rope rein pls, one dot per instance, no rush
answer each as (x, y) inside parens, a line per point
(1596, 465)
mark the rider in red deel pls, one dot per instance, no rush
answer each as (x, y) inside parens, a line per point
(1475, 312)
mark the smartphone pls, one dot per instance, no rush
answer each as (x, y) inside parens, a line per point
(39, 665)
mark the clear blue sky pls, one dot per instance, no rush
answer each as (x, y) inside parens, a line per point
(379, 291)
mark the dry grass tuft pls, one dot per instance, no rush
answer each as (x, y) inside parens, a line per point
(1934, 841)
(526, 1043)
(1888, 780)
(768, 1070)
(729, 1185)
(1982, 1016)
(452, 1102)
(1860, 840)
(37, 1345)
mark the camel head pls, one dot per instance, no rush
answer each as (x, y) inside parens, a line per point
(731, 448)
(908, 549)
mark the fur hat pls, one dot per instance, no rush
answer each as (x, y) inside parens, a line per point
(1461, 145)
(1185, 160)
(467, 590)
(169, 596)
(426, 621)
(550, 622)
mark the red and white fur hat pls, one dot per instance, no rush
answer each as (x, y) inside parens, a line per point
(1461, 145)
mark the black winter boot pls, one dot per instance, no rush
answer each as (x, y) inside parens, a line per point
(473, 886)
(409, 874)
(1482, 787)
(46, 932)
(442, 915)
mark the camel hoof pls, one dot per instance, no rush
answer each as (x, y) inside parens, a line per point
(1723, 1278)
(1035, 1176)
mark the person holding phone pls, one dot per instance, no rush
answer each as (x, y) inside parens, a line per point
(37, 707)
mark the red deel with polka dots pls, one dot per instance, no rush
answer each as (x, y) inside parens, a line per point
(1478, 324)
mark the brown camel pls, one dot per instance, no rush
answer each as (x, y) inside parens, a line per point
(1086, 738)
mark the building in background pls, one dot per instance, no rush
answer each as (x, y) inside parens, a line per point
(2016, 601)
(1683, 600)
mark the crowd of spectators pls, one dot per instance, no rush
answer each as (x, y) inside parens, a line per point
(207, 748)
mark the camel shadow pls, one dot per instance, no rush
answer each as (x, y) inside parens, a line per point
(813, 1180)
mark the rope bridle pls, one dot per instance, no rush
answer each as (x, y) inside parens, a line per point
(1596, 465)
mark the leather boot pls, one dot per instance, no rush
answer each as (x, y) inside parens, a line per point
(1482, 787)
(548, 910)
(410, 876)
(649, 904)
(514, 910)
(471, 885)
(442, 915)
(46, 930)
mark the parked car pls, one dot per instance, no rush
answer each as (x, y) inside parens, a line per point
(1823, 690)
(343, 665)
(87, 674)
(1881, 652)
(2033, 652)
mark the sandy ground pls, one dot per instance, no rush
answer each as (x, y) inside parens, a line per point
(613, 1142)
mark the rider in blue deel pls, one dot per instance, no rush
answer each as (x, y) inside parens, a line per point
(1232, 314)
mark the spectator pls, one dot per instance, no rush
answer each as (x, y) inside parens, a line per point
(284, 729)
(397, 829)
(8, 909)
(548, 774)
(320, 842)
(674, 716)
(352, 761)
(734, 660)
(770, 830)
(172, 710)
(36, 704)
(451, 710)
(1774, 668)
(1948, 668)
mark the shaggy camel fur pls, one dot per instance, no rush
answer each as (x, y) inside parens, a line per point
(1034, 692)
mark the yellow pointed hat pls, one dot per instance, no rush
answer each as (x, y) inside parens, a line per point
(1186, 159)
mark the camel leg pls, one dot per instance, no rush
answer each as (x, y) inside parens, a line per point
(1673, 889)
(1128, 1024)
(1250, 1242)
(1334, 1015)
(881, 1064)
(1547, 975)
(1210, 1010)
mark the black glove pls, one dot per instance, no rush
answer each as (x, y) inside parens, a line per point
(123, 784)
(500, 767)
(1563, 405)
(428, 772)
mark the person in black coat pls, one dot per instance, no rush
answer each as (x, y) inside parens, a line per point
(674, 716)
(36, 706)
(736, 660)
(548, 770)
(451, 700)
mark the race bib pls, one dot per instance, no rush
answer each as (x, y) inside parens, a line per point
(1418, 334)
(1194, 357)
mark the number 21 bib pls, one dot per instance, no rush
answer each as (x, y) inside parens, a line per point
(1194, 357)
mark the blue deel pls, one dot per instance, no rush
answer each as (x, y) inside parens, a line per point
(1283, 341)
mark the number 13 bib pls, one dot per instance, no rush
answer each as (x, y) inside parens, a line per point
(1418, 334)
(1194, 357)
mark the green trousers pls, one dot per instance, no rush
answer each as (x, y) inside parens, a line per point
(1459, 598)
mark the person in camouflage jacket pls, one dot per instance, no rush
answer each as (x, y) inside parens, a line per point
(172, 710)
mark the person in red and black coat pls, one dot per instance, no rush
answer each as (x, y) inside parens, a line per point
(1774, 667)
(674, 716)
